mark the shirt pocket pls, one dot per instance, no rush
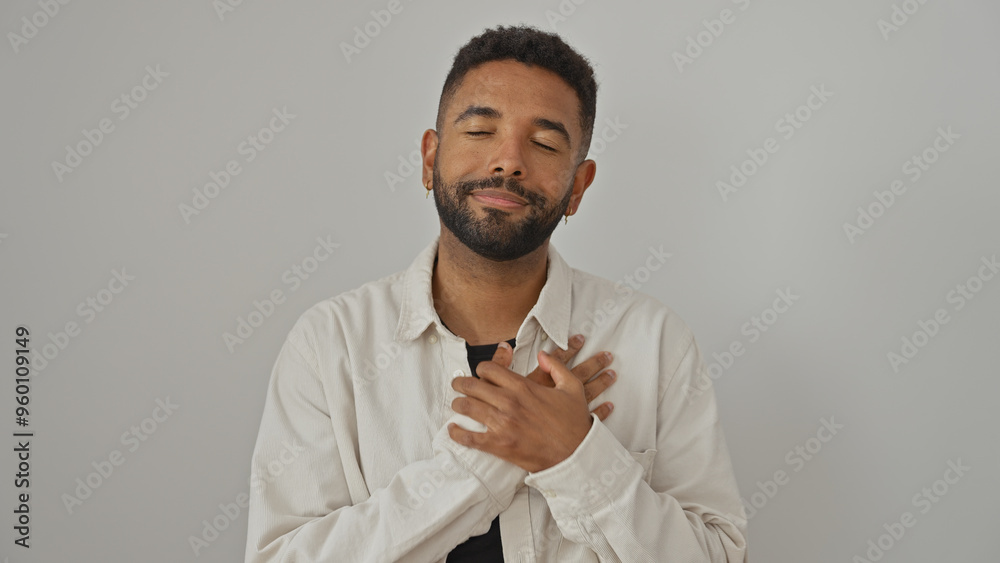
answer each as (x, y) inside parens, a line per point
(645, 459)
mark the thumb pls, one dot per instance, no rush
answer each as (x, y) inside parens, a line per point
(560, 374)
(504, 355)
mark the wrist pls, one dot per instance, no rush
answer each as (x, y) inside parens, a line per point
(564, 453)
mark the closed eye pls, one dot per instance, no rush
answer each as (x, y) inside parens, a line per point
(480, 133)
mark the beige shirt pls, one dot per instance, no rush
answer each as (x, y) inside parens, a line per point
(353, 460)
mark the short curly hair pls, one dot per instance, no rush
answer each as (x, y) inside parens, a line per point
(530, 46)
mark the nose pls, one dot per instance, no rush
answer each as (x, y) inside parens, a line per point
(508, 158)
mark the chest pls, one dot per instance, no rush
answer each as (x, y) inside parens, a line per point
(403, 396)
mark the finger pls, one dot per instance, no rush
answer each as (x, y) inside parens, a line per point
(504, 355)
(479, 388)
(560, 374)
(603, 410)
(498, 376)
(475, 409)
(585, 371)
(593, 389)
(542, 378)
(575, 343)
(466, 437)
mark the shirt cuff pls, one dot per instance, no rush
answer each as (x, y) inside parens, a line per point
(598, 471)
(501, 478)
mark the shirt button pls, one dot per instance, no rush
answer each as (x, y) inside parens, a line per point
(458, 373)
(433, 339)
(545, 336)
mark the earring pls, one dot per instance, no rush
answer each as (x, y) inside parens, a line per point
(428, 186)
(566, 221)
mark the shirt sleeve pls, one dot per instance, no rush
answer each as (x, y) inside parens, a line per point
(690, 511)
(300, 502)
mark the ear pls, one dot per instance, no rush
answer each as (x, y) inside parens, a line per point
(428, 150)
(585, 172)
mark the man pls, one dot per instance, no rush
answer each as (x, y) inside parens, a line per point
(430, 416)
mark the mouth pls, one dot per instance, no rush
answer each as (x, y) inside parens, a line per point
(499, 198)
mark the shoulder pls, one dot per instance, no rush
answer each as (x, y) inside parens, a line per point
(350, 314)
(621, 313)
(625, 303)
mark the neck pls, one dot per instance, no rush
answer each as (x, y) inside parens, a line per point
(484, 301)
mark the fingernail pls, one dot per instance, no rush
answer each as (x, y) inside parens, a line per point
(612, 375)
(608, 356)
(504, 345)
(611, 407)
(577, 340)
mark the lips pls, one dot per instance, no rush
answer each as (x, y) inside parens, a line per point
(499, 197)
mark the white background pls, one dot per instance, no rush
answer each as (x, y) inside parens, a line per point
(324, 175)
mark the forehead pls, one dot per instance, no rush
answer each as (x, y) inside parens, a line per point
(514, 87)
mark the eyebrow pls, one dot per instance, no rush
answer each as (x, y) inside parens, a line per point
(492, 113)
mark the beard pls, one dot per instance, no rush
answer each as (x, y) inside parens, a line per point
(499, 236)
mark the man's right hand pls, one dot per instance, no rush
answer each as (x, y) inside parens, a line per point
(585, 371)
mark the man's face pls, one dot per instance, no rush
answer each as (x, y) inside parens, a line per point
(514, 130)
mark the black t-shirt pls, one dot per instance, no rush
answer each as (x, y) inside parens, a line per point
(485, 548)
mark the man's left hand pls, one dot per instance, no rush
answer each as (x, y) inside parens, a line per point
(529, 425)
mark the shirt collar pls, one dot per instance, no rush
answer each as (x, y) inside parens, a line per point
(551, 311)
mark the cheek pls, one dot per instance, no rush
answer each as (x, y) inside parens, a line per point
(562, 181)
(464, 164)
(559, 188)
(460, 149)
